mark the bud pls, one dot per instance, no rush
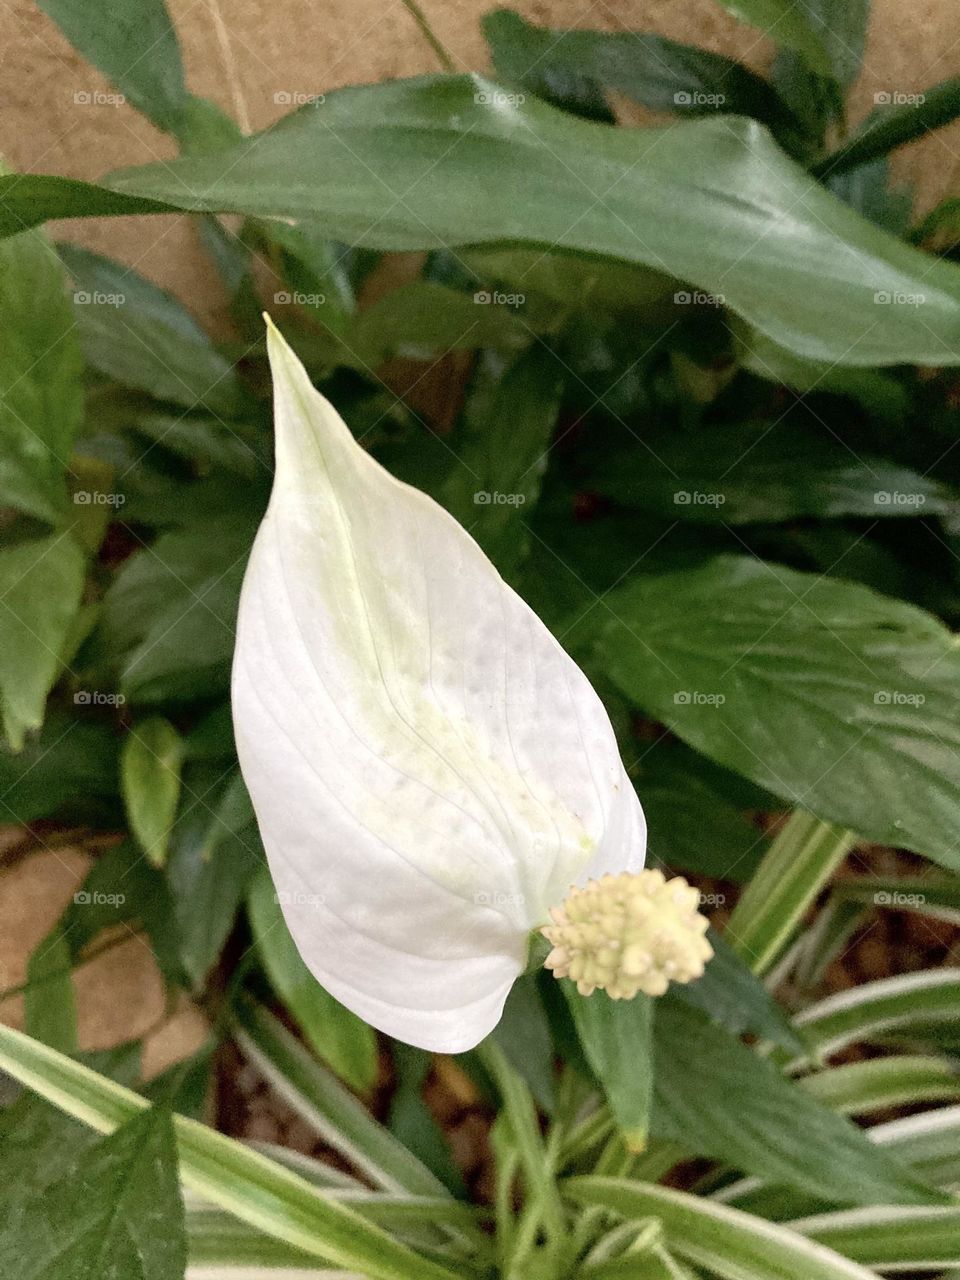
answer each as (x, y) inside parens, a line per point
(628, 933)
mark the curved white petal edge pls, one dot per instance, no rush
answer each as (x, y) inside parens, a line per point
(431, 772)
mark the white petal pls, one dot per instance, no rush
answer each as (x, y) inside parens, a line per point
(430, 770)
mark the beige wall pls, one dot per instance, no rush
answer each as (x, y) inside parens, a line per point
(241, 54)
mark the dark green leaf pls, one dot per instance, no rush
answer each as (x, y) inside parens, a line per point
(783, 252)
(117, 1215)
(523, 1033)
(412, 1122)
(899, 119)
(214, 851)
(40, 586)
(834, 697)
(715, 1097)
(134, 44)
(661, 74)
(342, 1040)
(50, 1012)
(502, 450)
(41, 395)
(616, 1036)
(733, 996)
(143, 337)
(760, 472)
(68, 764)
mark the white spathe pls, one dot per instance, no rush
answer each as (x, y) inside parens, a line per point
(430, 771)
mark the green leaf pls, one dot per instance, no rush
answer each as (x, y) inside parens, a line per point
(134, 44)
(228, 1174)
(319, 1098)
(422, 317)
(143, 337)
(892, 126)
(69, 763)
(116, 1214)
(787, 25)
(799, 862)
(502, 448)
(729, 1243)
(170, 613)
(342, 1040)
(836, 698)
(735, 998)
(150, 779)
(880, 1083)
(841, 26)
(50, 1010)
(40, 586)
(123, 888)
(719, 204)
(523, 1035)
(41, 393)
(888, 1238)
(214, 851)
(413, 1123)
(715, 1097)
(661, 74)
(911, 1000)
(616, 1036)
(760, 472)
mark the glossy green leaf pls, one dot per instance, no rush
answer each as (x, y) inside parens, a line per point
(150, 767)
(729, 1103)
(661, 74)
(40, 586)
(760, 472)
(729, 1243)
(215, 850)
(783, 252)
(733, 996)
(143, 337)
(345, 1042)
(116, 1213)
(892, 126)
(69, 764)
(502, 449)
(840, 700)
(228, 1174)
(134, 44)
(617, 1041)
(41, 395)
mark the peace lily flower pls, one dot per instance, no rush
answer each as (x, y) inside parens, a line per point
(431, 772)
